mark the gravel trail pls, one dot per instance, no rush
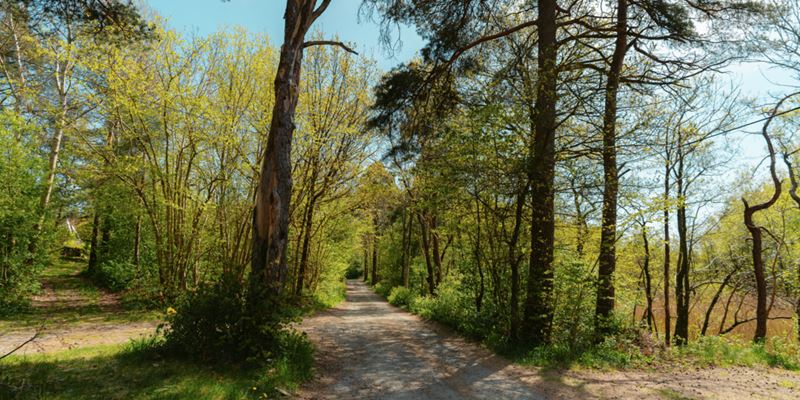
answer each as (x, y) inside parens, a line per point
(368, 349)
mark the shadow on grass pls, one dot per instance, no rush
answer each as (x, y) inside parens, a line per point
(108, 373)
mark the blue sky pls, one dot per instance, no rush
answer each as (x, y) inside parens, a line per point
(340, 19)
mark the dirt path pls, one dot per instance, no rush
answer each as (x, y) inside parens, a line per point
(70, 312)
(368, 349)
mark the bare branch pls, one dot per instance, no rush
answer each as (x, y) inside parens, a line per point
(35, 335)
(329, 43)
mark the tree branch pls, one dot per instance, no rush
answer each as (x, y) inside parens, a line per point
(35, 335)
(329, 43)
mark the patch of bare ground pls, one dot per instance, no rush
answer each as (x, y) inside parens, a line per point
(71, 312)
(368, 349)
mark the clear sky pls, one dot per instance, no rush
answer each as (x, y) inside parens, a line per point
(340, 19)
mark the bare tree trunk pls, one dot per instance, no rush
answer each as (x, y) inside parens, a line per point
(478, 265)
(648, 285)
(55, 151)
(667, 324)
(405, 262)
(374, 278)
(92, 266)
(715, 300)
(424, 233)
(308, 224)
(366, 258)
(274, 191)
(762, 313)
(682, 287)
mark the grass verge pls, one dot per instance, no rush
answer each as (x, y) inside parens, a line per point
(136, 371)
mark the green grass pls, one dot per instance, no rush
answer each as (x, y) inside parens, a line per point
(63, 276)
(724, 351)
(670, 394)
(327, 296)
(711, 351)
(134, 371)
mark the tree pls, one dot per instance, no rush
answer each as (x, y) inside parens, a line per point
(274, 189)
(756, 232)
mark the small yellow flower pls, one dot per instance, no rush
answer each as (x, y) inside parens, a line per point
(171, 311)
(255, 388)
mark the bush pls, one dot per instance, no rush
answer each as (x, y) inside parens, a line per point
(21, 169)
(115, 275)
(382, 289)
(215, 324)
(401, 296)
(353, 271)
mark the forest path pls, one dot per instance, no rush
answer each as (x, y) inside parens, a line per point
(368, 349)
(70, 312)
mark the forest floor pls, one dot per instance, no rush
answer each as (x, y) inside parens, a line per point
(368, 349)
(70, 312)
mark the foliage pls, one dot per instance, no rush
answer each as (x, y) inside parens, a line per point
(19, 214)
(354, 270)
(216, 324)
(115, 275)
(401, 296)
(382, 289)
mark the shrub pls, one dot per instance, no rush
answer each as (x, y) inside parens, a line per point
(382, 289)
(21, 169)
(401, 296)
(353, 271)
(215, 324)
(115, 275)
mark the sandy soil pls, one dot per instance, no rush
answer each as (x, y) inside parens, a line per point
(70, 312)
(73, 336)
(368, 349)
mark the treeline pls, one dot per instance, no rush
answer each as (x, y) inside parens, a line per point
(567, 171)
(150, 143)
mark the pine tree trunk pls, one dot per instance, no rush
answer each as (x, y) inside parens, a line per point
(608, 234)
(538, 304)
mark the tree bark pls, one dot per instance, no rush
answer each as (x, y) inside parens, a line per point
(648, 285)
(91, 268)
(538, 304)
(794, 195)
(374, 278)
(274, 190)
(301, 271)
(405, 262)
(426, 248)
(682, 287)
(608, 233)
(762, 313)
(137, 244)
(667, 324)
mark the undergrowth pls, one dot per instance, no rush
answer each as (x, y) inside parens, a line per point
(628, 347)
